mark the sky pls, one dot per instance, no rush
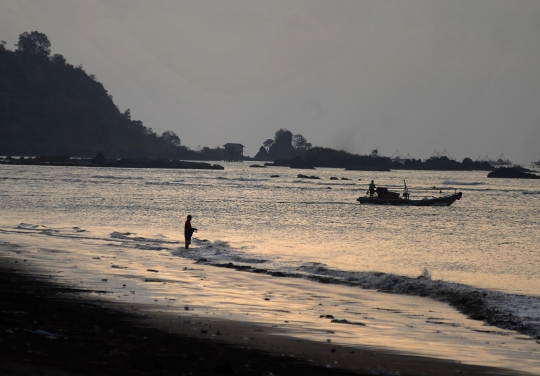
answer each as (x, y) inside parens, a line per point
(408, 75)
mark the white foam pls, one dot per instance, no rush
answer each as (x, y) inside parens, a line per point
(453, 182)
(112, 177)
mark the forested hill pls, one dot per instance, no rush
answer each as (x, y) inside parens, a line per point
(50, 107)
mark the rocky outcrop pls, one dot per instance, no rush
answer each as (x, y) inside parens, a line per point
(511, 173)
(282, 147)
(262, 155)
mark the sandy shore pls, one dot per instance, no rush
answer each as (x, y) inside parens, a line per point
(51, 328)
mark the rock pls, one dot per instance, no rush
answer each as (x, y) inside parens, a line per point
(274, 176)
(257, 166)
(511, 173)
(152, 270)
(347, 322)
(262, 155)
(302, 176)
(333, 178)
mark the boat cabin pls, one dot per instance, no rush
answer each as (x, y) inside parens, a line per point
(384, 193)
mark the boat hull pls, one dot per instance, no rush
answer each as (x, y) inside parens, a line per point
(436, 201)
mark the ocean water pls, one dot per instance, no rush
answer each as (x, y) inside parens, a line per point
(301, 228)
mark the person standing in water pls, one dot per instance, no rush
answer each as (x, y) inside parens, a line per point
(371, 189)
(188, 231)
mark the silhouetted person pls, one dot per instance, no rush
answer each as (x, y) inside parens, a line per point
(188, 231)
(371, 189)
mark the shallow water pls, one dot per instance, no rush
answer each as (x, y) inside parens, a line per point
(488, 239)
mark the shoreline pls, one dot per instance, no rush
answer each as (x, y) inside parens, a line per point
(475, 302)
(49, 327)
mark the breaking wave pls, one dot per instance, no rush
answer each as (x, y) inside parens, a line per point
(453, 182)
(112, 177)
(520, 313)
(508, 311)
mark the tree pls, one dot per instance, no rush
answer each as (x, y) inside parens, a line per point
(300, 142)
(127, 114)
(34, 44)
(171, 137)
(268, 143)
(58, 59)
(279, 133)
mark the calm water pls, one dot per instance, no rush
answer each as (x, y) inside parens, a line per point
(489, 239)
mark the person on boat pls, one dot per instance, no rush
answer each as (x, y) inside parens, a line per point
(188, 231)
(371, 189)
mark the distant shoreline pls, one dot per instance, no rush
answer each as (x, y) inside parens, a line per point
(116, 163)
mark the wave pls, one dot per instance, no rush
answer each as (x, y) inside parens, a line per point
(508, 311)
(217, 252)
(453, 182)
(520, 313)
(29, 226)
(134, 238)
(112, 177)
(336, 184)
(176, 182)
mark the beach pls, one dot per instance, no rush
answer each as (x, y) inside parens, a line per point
(52, 328)
(99, 308)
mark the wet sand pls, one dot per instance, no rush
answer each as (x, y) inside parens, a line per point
(50, 327)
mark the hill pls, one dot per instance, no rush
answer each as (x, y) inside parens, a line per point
(50, 107)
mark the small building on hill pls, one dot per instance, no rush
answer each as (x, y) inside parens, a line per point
(234, 151)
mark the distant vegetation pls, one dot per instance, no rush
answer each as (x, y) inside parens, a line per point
(50, 107)
(326, 157)
(284, 145)
(286, 149)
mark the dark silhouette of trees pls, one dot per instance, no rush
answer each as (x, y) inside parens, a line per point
(50, 107)
(34, 44)
(299, 142)
(171, 137)
(285, 145)
(269, 142)
(58, 59)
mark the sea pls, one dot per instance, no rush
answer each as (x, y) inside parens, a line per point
(268, 220)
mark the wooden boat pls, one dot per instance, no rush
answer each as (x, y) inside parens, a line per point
(386, 197)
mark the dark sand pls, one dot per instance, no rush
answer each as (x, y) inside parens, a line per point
(51, 329)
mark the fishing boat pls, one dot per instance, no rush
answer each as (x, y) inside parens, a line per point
(385, 197)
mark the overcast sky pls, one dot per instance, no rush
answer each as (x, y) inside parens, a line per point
(413, 76)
